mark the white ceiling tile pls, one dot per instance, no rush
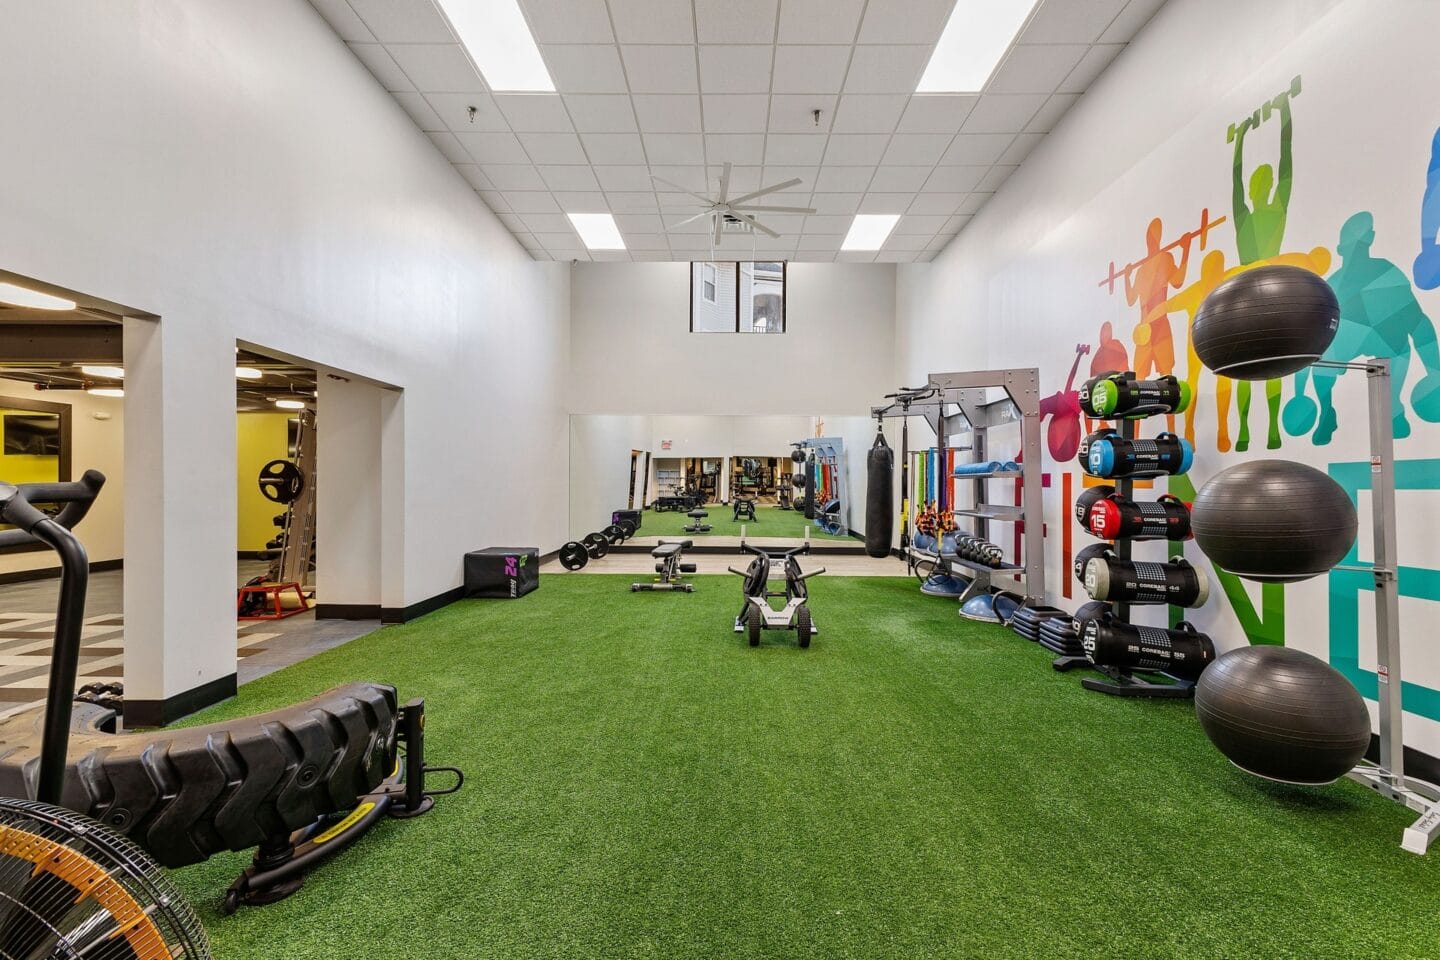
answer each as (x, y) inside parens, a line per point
(1136, 14)
(625, 179)
(474, 176)
(835, 204)
(495, 201)
(854, 256)
(935, 204)
(629, 201)
(1045, 119)
(896, 256)
(1021, 148)
(956, 224)
(794, 148)
(1070, 21)
(954, 179)
(1036, 68)
(977, 148)
(997, 175)
(648, 241)
(737, 148)
(686, 177)
(809, 69)
(820, 241)
(735, 113)
(649, 255)
(795, 112)
(493, 147)
(785, 224)
(668, 113)
(534, 112)
(918, 225)
(531, 201)
(940, 241)
(582, 201)
(912, 242)
(675, 147)
(603, 148)
(928, 255)
(558, 240)
(660, 69)
(869, 112)
(855, 149)
(585, 68)
(885, 202)
(743, 179)
(437, 67)
(553, 148)
(822, 224)
(735, 21)
(899, 179)
(344, 20)
(1003, 112)
(568, 21)
(404, 21)
(383, 66)
(420, 111)
(904, 21)
(886, 69)
(779, 172)
(916, 148)
(450, 147)
(973, 203)
(601, 113)
(542, 223)
(568, 177)
(677, 226)
(1096, 59)
(820, 21)
(454, 109)
(609, 256)
(639, 223)
(937, 112)
(652, 21)
(844, 179)
(513, 177)
(514, 223)
(734, 69)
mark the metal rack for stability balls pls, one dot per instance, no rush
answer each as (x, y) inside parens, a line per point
(953, 403)
(1121, 681)
(1388, 776)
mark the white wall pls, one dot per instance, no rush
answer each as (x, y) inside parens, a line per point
(1021, 285)
(632, 350)
(233, 168)
(600, 449)
(94, 445)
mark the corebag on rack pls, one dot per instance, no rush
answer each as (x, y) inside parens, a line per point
(1183, 653)
(1140, 582)
(1113, 517)
(1109, 455)
(1114, 394)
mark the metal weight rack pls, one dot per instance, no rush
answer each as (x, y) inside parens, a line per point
(955, 403)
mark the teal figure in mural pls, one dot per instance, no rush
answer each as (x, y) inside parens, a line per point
(1260, 231)
(1379, 317)
(1427, 265)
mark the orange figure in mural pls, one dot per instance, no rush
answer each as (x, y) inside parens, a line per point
(1149, 284)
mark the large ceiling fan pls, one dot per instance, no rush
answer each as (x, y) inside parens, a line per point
(722, 210)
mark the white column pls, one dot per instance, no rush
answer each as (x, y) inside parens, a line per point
(391, 470)
(347, 505)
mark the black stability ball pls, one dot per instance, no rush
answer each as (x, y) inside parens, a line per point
(1280, 713)
(1273, 520)
(1265, 323)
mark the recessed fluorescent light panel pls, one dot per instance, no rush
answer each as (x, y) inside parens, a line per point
(499, 41)
(869, 230)
(22, 297)
(974, 41)
(598, 230)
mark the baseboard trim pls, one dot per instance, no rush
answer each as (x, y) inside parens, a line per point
(422, 607)
(52, 573)
(158, 713)
(1418, 764)
(347, 611)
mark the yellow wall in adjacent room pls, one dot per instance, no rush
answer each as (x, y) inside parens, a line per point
(26, 468)
(260, 438)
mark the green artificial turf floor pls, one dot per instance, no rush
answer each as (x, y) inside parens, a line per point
(641, 783)
(771, 523)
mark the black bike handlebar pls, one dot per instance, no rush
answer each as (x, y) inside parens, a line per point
(17, 505)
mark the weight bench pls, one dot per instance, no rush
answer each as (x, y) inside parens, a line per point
(695, 525)
(745, 509)
(668, 565)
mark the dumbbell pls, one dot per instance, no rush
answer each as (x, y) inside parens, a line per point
(1128, 581)
(1119, 518)
(1113, 394)
(1113, 456)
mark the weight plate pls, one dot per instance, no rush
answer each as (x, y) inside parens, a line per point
(595, 545)
(627, 528)
(613, 534)
(573, 556)
(281, 481)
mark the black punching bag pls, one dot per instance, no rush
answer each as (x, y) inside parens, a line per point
(810, 487)
(879, 484)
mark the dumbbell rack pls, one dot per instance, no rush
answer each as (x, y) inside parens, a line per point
(1121, 681)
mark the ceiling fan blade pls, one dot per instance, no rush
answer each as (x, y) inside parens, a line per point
(774, 209)
(682, 223)
(764, 190)
(724, 182)
(715, 232)
(675, 186)
(756, 224)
